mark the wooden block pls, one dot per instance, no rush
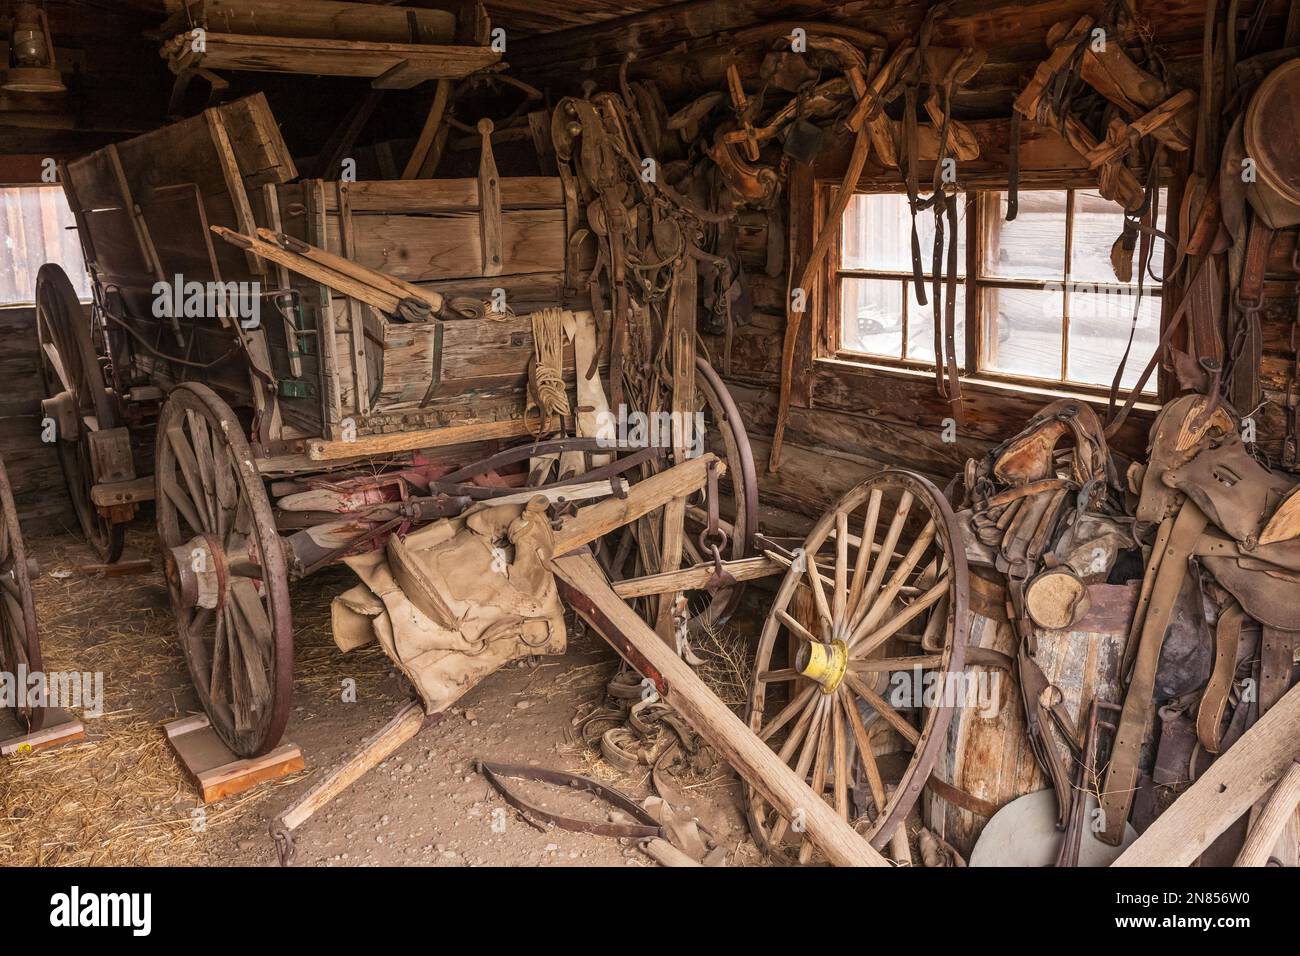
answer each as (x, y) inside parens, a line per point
(215, 771)
(109, 493)
(62, 729)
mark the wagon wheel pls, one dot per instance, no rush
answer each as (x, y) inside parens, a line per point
(20, 644)
(226, 570)
(70, 364)
(638, 551)
(865, 614)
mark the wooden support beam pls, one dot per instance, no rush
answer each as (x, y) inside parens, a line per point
(1228, 789)
(368, 445)
(234, 182)
(584, 586)
(669, 582)
(655, 492)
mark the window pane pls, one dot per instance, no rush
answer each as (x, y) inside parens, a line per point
(1097, 224)
(39, 230)
(1099, 331)
(877, 234)
(1022, 332)
(920, 326)
(871, 316)
(1032, 246)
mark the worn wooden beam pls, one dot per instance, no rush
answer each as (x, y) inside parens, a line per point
(654, 492)
(670, 582)
(368, 445)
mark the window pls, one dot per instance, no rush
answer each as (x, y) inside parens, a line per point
(38, 227)
(1047, 305)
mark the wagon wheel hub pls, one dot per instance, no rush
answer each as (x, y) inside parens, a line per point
(199, 570)
(824, 663)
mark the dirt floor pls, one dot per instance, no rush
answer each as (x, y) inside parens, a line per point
(120, 797)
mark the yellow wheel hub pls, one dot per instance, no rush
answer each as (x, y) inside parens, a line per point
(824, 663)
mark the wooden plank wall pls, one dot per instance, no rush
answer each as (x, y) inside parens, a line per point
(33, 466)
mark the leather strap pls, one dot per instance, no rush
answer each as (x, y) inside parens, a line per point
(1277, 663)
(1206, 275)
(1214, 699)
(1121, 776)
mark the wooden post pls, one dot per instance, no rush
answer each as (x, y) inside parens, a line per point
(587, 590)
(681, 328)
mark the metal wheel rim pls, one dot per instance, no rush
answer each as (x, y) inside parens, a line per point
(237, 514)
(19, 639)
(709, 611)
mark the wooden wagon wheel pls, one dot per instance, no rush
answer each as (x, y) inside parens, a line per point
(866, 613)
(20, 643)
(637, 549)
(226, 570)
(70, 365)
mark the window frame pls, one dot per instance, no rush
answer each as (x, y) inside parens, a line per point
(979, 200)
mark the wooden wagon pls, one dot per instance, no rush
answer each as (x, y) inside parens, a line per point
(386, 379)
(295, 369)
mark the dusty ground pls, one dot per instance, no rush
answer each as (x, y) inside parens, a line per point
(120, 796)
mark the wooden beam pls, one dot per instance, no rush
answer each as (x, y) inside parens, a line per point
(584, 585)
(668, 582)
(367, 445)
(1228, 789)
(654, 492)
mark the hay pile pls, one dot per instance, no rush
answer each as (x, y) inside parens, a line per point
(120, 797)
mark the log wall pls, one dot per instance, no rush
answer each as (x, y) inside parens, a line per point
(33, 466)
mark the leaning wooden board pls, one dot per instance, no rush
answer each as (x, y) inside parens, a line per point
(1228, 789)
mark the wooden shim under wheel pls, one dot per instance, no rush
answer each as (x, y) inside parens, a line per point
(216, 772)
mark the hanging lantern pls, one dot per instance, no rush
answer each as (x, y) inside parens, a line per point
(31, 53)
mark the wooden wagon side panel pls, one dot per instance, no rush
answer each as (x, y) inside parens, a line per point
(428, 232)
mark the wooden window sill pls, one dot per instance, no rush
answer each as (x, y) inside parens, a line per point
(984, 384)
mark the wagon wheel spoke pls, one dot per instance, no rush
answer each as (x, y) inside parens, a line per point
(811, 743)
(777, 676)
(872, 588)
(863, 558)
(841, 570)
(820, 759)
(202, 447)
(887, 665)
(819, 593)
(796, 706)
(797, 629)
(841, 760)
(863, 642)
(867, 756)
(883, 708)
